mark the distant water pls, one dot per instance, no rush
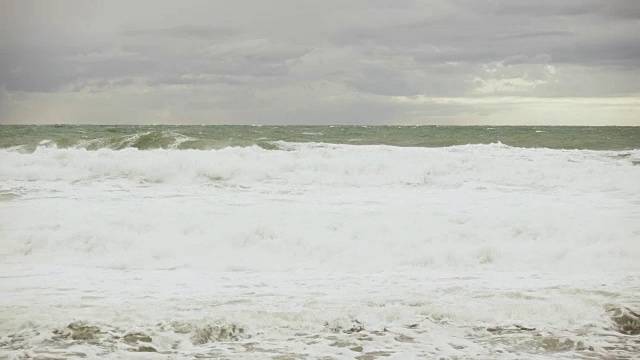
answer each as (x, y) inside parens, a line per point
(215, 137)
(243, 242)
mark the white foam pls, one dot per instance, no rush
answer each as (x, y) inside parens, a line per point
(322, 206)
(283, 241)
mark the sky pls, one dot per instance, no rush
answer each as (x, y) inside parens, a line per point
(373, 62)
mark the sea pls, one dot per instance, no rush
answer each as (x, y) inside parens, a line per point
(319, 242)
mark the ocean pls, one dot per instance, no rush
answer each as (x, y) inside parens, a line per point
(319, 242)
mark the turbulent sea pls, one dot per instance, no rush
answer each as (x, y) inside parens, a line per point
(241, 242)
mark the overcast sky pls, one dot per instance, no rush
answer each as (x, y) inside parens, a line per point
(550, 62)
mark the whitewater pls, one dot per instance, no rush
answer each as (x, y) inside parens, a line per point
(314, 250)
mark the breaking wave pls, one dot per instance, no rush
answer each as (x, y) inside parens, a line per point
(147, 140)
(321, 163)
(324, 206)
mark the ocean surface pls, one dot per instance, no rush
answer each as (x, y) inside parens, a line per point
(241, 242)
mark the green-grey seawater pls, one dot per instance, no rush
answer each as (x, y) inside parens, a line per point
(93, 137)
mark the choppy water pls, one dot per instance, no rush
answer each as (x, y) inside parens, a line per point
(94, 137)
(323, 242)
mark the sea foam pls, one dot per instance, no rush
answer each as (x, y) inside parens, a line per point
(319, 250)
(323, 206)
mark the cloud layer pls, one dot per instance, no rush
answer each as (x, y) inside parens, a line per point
(329, 62)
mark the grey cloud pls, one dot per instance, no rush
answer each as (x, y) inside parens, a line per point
(4, 94)
(481, 39)
(185, 31)
(620, 9)
(620, 53)
(443, 80)
(222, 56)
(590, 82)
(355, 113)
(28, 69)
(547, 8)
(534, 34)
(525, 59)
(261, 59)
(39, 70)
